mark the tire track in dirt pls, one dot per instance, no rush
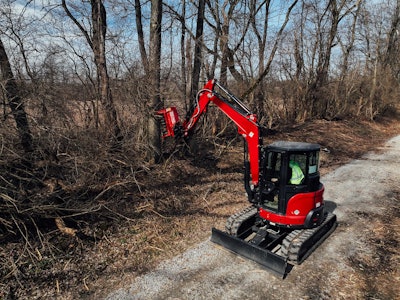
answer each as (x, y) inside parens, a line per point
(358, 261)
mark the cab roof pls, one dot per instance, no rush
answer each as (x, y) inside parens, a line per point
(293, 146)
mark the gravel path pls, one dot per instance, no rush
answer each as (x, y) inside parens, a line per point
(345, 266)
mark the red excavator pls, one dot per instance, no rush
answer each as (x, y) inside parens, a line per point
(286, 220)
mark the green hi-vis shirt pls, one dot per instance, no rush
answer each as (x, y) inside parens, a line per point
(297, 173)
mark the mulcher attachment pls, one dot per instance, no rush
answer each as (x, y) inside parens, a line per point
(169, 120)
(276, 250)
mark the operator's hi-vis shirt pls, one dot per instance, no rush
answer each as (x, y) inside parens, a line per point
(297, 173)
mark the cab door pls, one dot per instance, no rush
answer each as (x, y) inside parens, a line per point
(298, 160)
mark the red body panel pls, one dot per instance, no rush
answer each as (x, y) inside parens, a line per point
(297, 209)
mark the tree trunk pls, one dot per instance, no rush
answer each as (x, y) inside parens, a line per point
(197, 52)
(224, 52)
(391, 58)
(184, 79)
(97, 44)
(261, 34)
(155, 78)
(99, 20)
(139, 30)
(14, 101)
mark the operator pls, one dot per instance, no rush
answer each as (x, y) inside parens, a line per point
(297, 173)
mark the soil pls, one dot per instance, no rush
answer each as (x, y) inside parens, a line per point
(159, 236)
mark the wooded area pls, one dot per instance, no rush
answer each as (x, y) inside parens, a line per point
(81, 80)
(290, 61)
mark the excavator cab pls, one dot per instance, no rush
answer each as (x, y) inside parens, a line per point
(287, 220)
(290, 186)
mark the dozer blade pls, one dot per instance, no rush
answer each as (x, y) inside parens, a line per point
(273, 262)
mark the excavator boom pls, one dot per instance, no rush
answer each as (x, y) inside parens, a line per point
(235, 110)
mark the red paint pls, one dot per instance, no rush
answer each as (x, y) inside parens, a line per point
(303, 202)
(171, 118)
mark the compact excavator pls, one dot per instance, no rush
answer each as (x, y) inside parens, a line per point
(286, 220)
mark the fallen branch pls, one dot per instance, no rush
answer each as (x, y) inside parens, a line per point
(64, 229)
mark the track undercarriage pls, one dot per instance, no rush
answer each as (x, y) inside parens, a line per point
(273, 247)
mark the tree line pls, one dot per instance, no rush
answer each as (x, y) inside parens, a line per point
(104, 67)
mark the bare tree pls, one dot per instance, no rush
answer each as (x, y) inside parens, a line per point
(266, 68)
(12, 96)
(341, 99)
(96, 41)
(224, 14)
(391, 57)
(140, 34)
(332, 14)
(197, 51)
(184, 78)
(154, 74)
(278, 38)
(261, 35)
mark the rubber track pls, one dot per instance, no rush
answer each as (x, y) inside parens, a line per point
(236, 220)
(292, 244)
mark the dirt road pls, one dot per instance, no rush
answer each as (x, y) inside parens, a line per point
(360, 260)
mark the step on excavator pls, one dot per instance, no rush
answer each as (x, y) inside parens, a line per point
(286, 220)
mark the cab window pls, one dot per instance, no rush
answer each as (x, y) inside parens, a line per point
(313, 165)
(274, 165)
(301, 160)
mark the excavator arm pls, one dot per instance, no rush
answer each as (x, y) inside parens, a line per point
(236, 111)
